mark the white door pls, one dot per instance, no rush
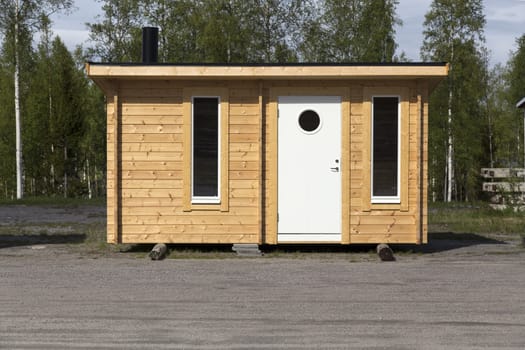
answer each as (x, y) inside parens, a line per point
(309, 169)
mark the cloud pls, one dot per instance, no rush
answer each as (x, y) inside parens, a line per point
(72, 37)
(505, 11)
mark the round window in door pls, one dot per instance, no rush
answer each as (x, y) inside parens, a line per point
(309, 121)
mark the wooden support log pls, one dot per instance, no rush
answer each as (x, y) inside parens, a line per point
(158, 252)
(385, 253)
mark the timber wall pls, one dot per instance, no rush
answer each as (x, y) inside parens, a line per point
(149, 204)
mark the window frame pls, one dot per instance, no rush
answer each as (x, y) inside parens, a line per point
(395, 199)
(188, 93)
(206, 199)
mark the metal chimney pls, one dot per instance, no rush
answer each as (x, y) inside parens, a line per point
(150, 45)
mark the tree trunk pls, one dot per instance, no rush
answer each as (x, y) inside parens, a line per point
(450, 150)
(52, 170)
(96, 180)
(18, 126)
(450, 140)
(90, 192)
(491, 147)
(65, 171)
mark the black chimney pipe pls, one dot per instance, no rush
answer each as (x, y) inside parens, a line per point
(150, 45)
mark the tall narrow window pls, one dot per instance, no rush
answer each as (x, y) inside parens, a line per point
(205, 153)
(385, 150)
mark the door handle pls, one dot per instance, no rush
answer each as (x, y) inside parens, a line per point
(335, 169)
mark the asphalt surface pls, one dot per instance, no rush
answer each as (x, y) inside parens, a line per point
(54, 299)
(461, 291)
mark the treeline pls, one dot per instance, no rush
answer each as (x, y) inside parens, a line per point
(52, 120)
(473, 119)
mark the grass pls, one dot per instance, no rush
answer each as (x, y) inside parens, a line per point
(474, 218)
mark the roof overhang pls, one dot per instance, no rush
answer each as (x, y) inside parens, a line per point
(521, 103)
(104, 73)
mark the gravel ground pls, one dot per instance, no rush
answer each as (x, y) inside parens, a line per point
(450, 294)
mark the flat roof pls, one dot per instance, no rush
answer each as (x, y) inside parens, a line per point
(268, 71)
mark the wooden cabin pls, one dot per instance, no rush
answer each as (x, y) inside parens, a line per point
(267, 154)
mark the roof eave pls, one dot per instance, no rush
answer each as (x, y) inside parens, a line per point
(265, 72)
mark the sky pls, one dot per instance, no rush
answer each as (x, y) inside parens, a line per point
(505, 23)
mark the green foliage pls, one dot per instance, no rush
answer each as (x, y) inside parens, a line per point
(454, 33)
(516, 76)
(63, 112)
(476, 218)
(117, 38)
(63, 124)
(352, 31)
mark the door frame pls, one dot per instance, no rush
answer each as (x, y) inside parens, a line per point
(271, 229)
(328, 226)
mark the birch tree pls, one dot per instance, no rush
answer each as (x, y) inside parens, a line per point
(17, 16)
(453, 32)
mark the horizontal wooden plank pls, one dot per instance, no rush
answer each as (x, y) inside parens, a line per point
(244, 110)
(247, 175)
(243, 192)
(148, 156)
(189, 220)
(244, 129)
(382, 238)
(141, 137)
(151, 129)
(244, 156)
(383, 212)
(244, 147)
(356, 129)
(244, 137)
(167, 206)
(243, 92)
(193, 238)
(382, 220)
(252, 100)
(155, 119)
(128, 93)
(154, 166)
(235, 202)
(254, 184)
(193, 229)
(152, 147)
(356, 119)
(169, 189)
(152, 206)
(383, 229)
(151, 184)
(243, 119)
(152, 193)
(244, 165)
(150, 174)
(244, 202)
(152, 109)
